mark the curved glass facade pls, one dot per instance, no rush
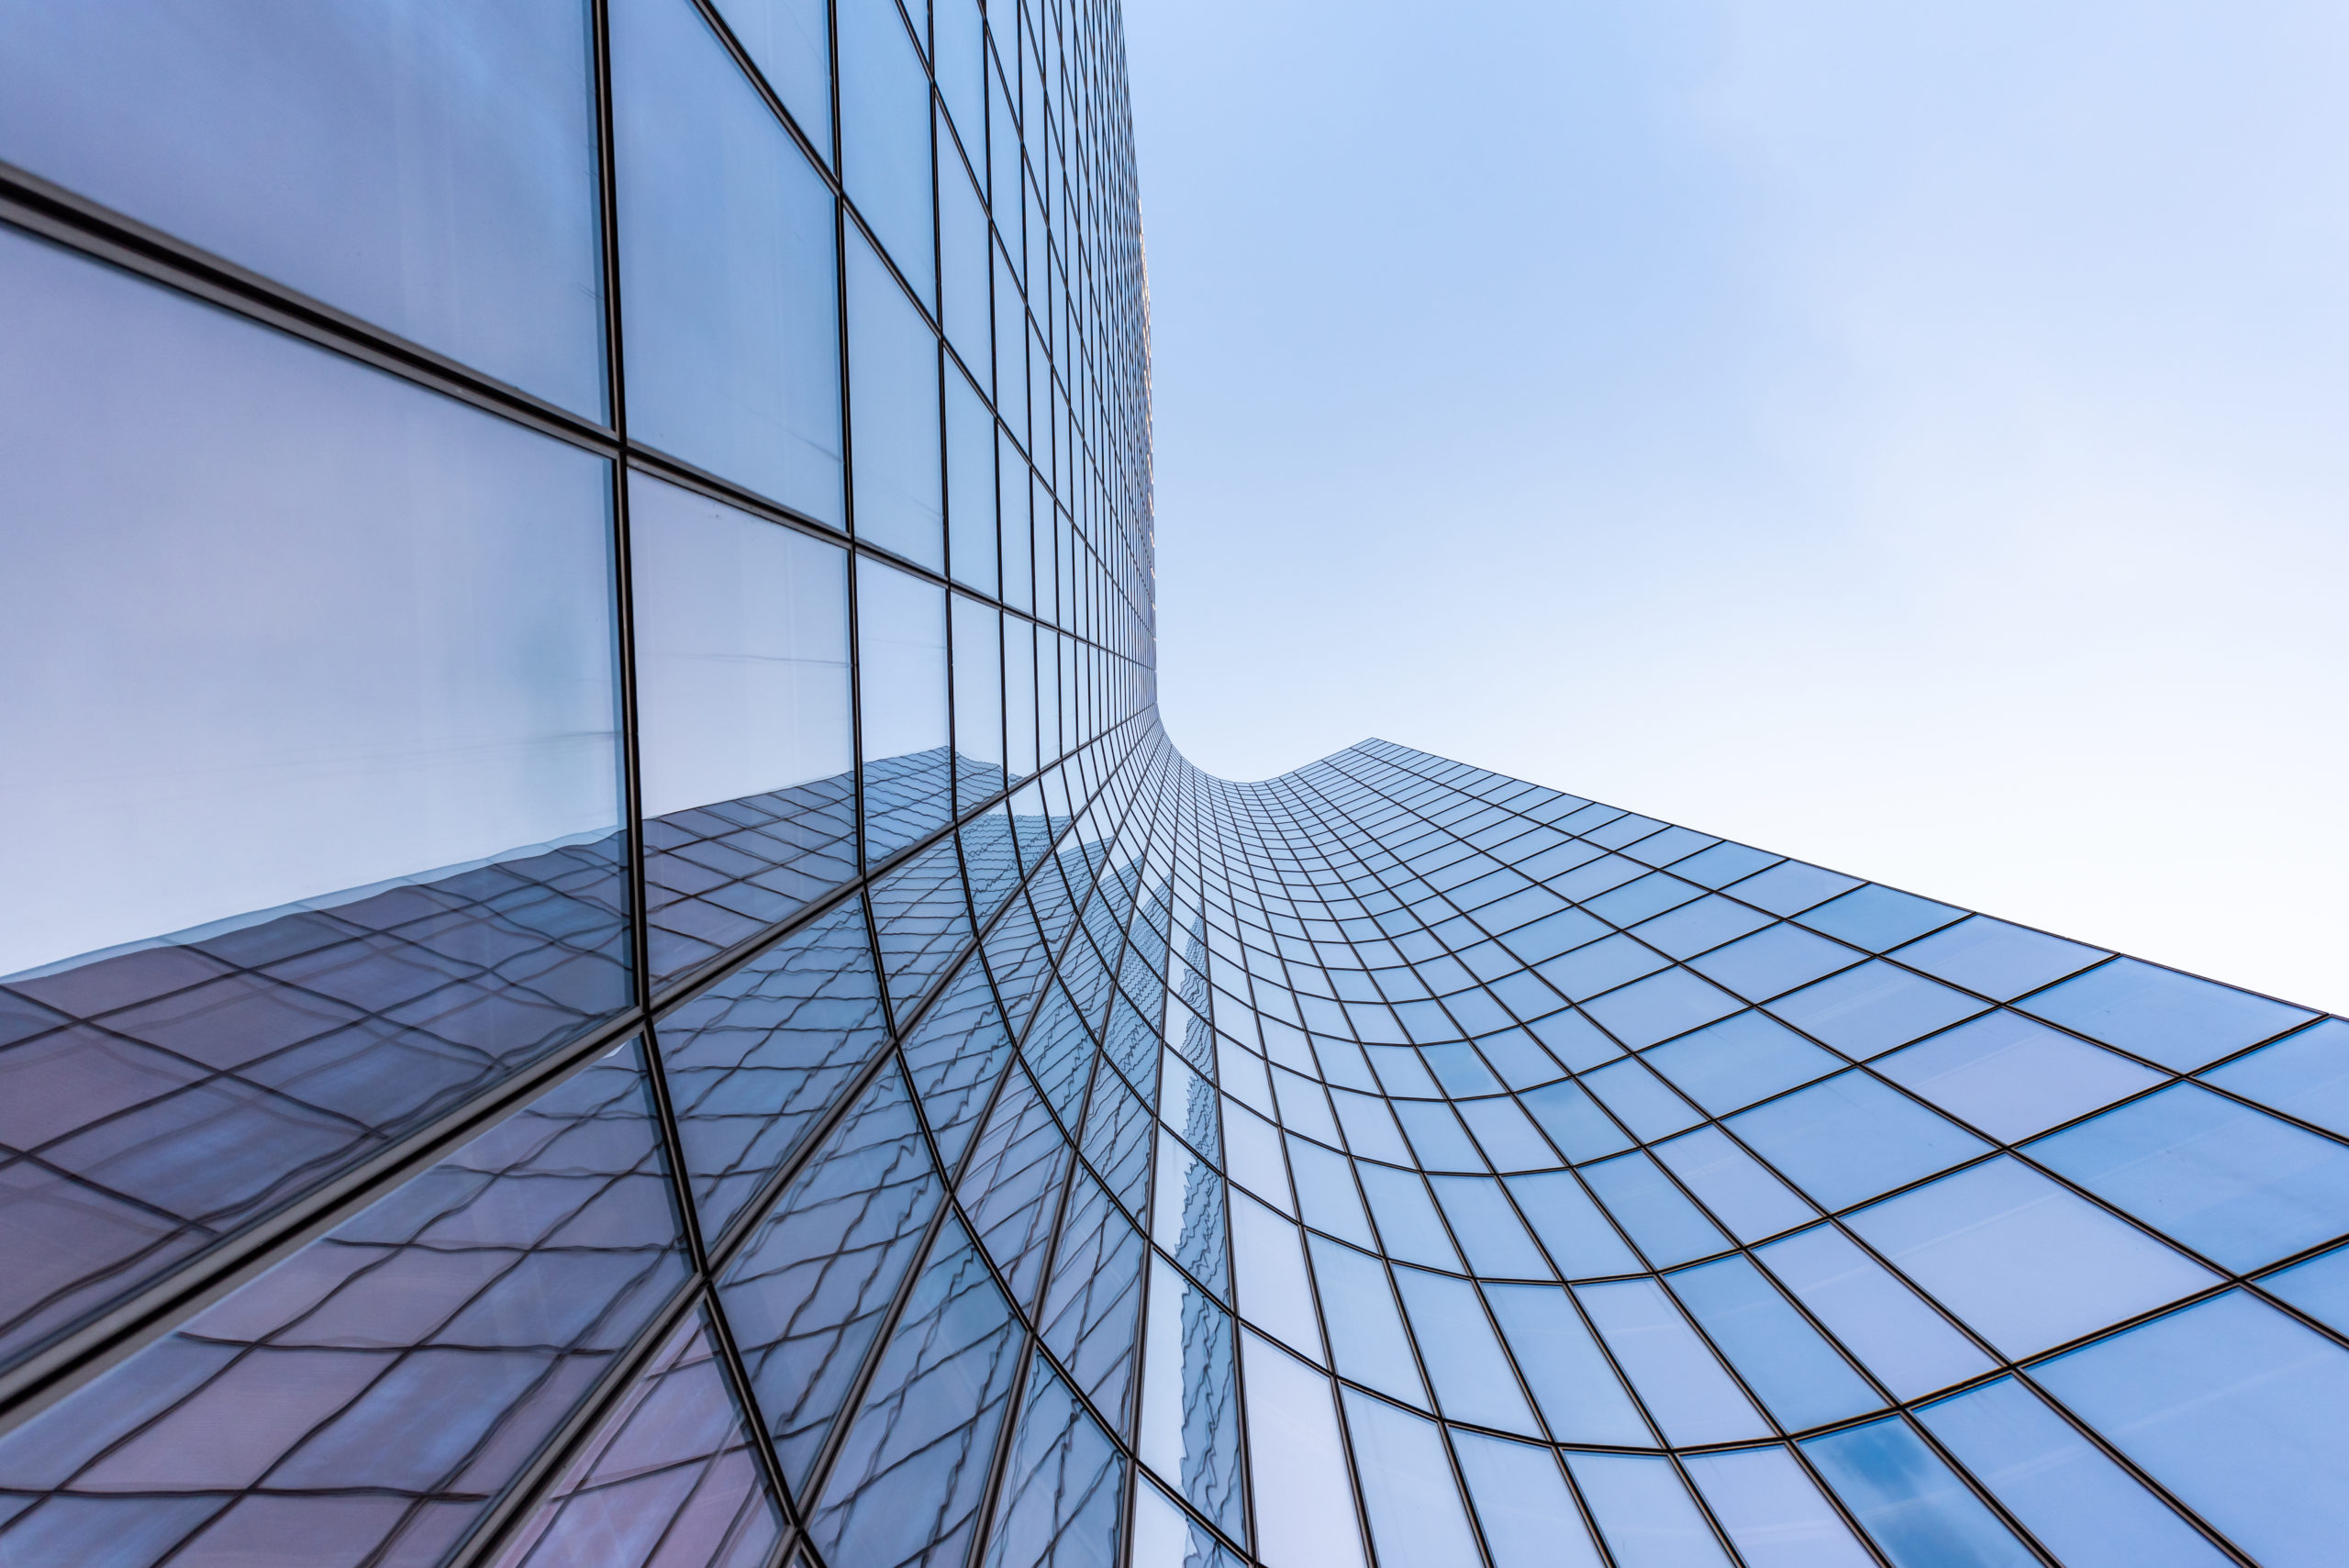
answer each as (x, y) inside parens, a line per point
(606, 962)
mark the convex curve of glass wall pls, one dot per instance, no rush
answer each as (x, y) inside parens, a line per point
(606, 964)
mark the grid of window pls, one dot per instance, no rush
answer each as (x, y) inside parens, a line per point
(608, 964)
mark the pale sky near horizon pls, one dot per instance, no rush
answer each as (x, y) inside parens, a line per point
(1915, 438)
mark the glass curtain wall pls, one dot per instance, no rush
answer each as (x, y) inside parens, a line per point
(606, 964)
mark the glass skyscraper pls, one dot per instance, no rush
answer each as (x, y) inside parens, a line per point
(607, 965)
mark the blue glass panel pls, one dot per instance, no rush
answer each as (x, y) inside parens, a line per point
(2306, 1075)
(1723, 864)
(1790, 886)
(1580, 1241)
(343, 849)
(911, 1474)
(970, 474)
(1640, 1100)
(1741, 1193)
(806, 1295)
(1575, 1041)
(1646, 1512)
(1581, 1397)
(1459, 1068)
(726, 267)
(429, 167)
(2240, 1412)
(1012, 1187)
(1635, 901)
(1774, 1511)
(2319, 1287)
(1407, 1222)
(1658, 1215)
(790, 42)
(1087, 1316)
(1791, 1369)
(2000, 961)
(2026, 1262)
(1190, 1402)
(1305, 1506)
(1167, 1537)
(897, 487)
(1878, 918)
(1407, 1488)
(1661, 1005)
(885, 134)
(1325, 1191)
(921, 915)
(1253, 1152)
(1370, 1127)
(1366, 1335)
(1436, 1133)
(668, 1470)
(1187, 1203)
(2163, 1016)
(1463, 1360)
(954, 1055)
(1739, 1061)
(417, 1354)
(1268, 1268)
(1553, 934)
(1693, 927)
(1063, 1485)
(743, 718)
(2080, 1504)
(754, 1061)
(1917, 1510)
(1575, 1121)
(1773, 960)
(1693, 1399)
(1870, 1010)
(1510, 1141)
(1911, 1349)
(1601, 966)
(2232, 1183)
(1529, 1517)
(1487, 1229)
(2011, 1077)
(1851, 1138)
(1118, 1141)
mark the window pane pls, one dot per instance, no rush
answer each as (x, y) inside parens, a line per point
(884, 135)
(893, 406)
(429, 166)
(978, 700)
(901, 704)
(349, 648)
(2233, 1182)
(1774, 1511)
(1304, 1508)
(970, 486)
(1406, 1486)
(741, 670)
(790, 41)
(2026, 1262)
(726, 267)
(2079, 1502)
(1646, 1512)
(2011, 1077)
(2241, 1412)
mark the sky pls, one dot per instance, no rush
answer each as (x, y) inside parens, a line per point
(1910, 438)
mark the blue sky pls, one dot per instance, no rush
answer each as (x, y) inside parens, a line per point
(1911, 438)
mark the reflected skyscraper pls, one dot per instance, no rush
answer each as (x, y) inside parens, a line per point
(607, 965)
